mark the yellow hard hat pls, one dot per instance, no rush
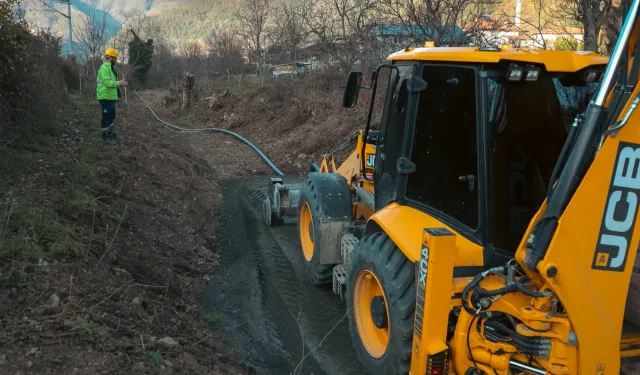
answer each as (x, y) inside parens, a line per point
(111, 52)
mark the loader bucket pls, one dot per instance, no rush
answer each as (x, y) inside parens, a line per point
(280, 205)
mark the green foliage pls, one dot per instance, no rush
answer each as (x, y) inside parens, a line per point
(568, 44)
(155, 359)
(90, 330)
(140, 57)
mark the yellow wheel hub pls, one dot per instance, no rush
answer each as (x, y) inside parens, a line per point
(306, 232)
(371, 313)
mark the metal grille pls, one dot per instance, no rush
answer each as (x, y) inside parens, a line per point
(339, 279)
(349, 242)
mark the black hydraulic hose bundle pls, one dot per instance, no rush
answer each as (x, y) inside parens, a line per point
(495, 330)
(518, 285)
(539, 346)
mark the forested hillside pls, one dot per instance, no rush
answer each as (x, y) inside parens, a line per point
(181, 21)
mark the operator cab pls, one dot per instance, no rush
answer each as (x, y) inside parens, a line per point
(474, 144)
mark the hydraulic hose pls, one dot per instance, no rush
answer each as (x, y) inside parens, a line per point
(262, 155)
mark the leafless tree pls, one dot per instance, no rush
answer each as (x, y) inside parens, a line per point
(91, 34)
(142, 25)
(290, 30)
(343, 30)
(532, 26)
(254, 19)
(49, 7)
(193, 54)
(612, 27)
(225, 52)
(592, 14)
(437, 19)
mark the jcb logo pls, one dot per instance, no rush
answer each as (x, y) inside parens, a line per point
(619, 218)
(371, 160)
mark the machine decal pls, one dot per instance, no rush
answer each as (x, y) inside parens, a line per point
(371, 160)
(422, 283)
(620, 211)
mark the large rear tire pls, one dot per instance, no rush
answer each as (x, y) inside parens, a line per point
(309, 229)
(381, 300)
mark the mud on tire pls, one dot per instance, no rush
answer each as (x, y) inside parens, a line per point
(378, 255)
(318, 274)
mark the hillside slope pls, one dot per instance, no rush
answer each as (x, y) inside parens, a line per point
(182, 20)
(187, 20)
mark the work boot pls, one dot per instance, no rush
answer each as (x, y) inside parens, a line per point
(109, 140)
(117, 138)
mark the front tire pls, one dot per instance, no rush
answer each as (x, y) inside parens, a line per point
(381, 300)
(309, 229)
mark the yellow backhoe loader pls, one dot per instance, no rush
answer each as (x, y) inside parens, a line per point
(488, 224)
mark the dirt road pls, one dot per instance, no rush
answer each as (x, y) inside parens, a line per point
(269, 314)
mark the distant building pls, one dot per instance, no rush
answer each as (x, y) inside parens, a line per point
(398, 33)
(299, 67)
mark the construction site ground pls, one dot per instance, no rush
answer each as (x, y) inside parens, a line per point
(151, 257)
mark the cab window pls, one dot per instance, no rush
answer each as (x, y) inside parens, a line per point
(445, 144)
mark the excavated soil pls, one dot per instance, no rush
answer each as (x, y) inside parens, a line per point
(273, 318)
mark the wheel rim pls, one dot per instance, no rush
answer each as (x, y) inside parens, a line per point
(366, 288)
(306, 232)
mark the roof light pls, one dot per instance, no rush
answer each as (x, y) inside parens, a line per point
(429, 44)
(505, 46)
(591, 76)
(489, 49)
(532, 74)
(515, 73)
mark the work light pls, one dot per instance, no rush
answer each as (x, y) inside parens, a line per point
(515, 72)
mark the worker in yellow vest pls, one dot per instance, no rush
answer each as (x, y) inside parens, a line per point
(108, 93)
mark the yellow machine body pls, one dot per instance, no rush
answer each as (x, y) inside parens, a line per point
(569, 303)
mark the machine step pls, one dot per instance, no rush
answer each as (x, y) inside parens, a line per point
(339, 279)
(347, 244)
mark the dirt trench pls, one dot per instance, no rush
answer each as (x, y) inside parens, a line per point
(271, 316)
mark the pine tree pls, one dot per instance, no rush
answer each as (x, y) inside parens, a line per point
(140, 57)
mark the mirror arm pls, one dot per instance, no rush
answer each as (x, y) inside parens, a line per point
(374, 85)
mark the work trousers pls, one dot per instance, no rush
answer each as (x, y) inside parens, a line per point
(107, 124)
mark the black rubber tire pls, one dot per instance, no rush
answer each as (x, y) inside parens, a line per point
(318, 274)
(379, 254)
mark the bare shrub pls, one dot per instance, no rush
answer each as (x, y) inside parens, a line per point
(71, 71)
(32, 86)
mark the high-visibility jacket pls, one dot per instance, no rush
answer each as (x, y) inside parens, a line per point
(108, 84)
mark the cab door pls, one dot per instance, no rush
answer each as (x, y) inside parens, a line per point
(389, 145)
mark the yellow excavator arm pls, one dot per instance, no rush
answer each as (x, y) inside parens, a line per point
(582, 244)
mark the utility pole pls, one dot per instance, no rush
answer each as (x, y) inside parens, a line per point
(69, 46)
(47, 4)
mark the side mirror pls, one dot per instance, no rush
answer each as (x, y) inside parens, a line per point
(352, 90)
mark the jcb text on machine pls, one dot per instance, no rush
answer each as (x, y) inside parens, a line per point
(488, 224)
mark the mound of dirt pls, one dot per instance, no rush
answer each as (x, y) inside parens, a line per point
(106, 250)
(293, 120)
